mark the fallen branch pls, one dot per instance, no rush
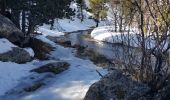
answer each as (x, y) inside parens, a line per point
(99, 73)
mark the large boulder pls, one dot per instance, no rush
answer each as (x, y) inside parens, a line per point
(116, 86)
(42, 49)
(16, 55)
(10, 31)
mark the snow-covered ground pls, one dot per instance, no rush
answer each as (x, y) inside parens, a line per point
(11, 74)
(69, 85)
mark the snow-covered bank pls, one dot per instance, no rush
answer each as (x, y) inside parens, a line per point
(132, 38)
(107, 34)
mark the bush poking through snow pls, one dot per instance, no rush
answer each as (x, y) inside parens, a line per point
(98, 59)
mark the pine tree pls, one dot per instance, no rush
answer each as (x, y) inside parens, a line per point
(37, 12)
(99, 9)
(81, 6)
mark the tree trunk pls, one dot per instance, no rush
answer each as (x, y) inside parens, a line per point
(52, 24)
(121, 23)
(82, 16)
(30, 28)
(97, 22)
(16, 18)
(3, 6)
(115, 22)
(23, 21)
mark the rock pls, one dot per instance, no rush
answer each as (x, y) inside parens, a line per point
(41, 49)
(62, 40)
(56, 68)
(116, 86)
(16, 55)
(33, 87)
(11, 32)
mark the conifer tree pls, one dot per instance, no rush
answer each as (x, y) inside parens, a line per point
(36, 12)
(99, 9)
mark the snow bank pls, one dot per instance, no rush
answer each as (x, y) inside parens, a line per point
(107, 34)
(5, 45)
(132, 38)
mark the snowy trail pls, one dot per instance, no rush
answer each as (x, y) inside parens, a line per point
(71, 84)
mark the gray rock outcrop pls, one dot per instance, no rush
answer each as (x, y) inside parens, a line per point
(16, 55)
(11, 32)
(116, 86)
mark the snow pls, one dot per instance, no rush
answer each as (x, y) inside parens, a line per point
(5, 45)
(30, 51)
(132, 38)
(44, 39)
(66, 25)
(70, 25)
(11, 74)
(72, 84)
(47, 32)
(107, 34)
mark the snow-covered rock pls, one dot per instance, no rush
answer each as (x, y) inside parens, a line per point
(10, 52)
(16, 55)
